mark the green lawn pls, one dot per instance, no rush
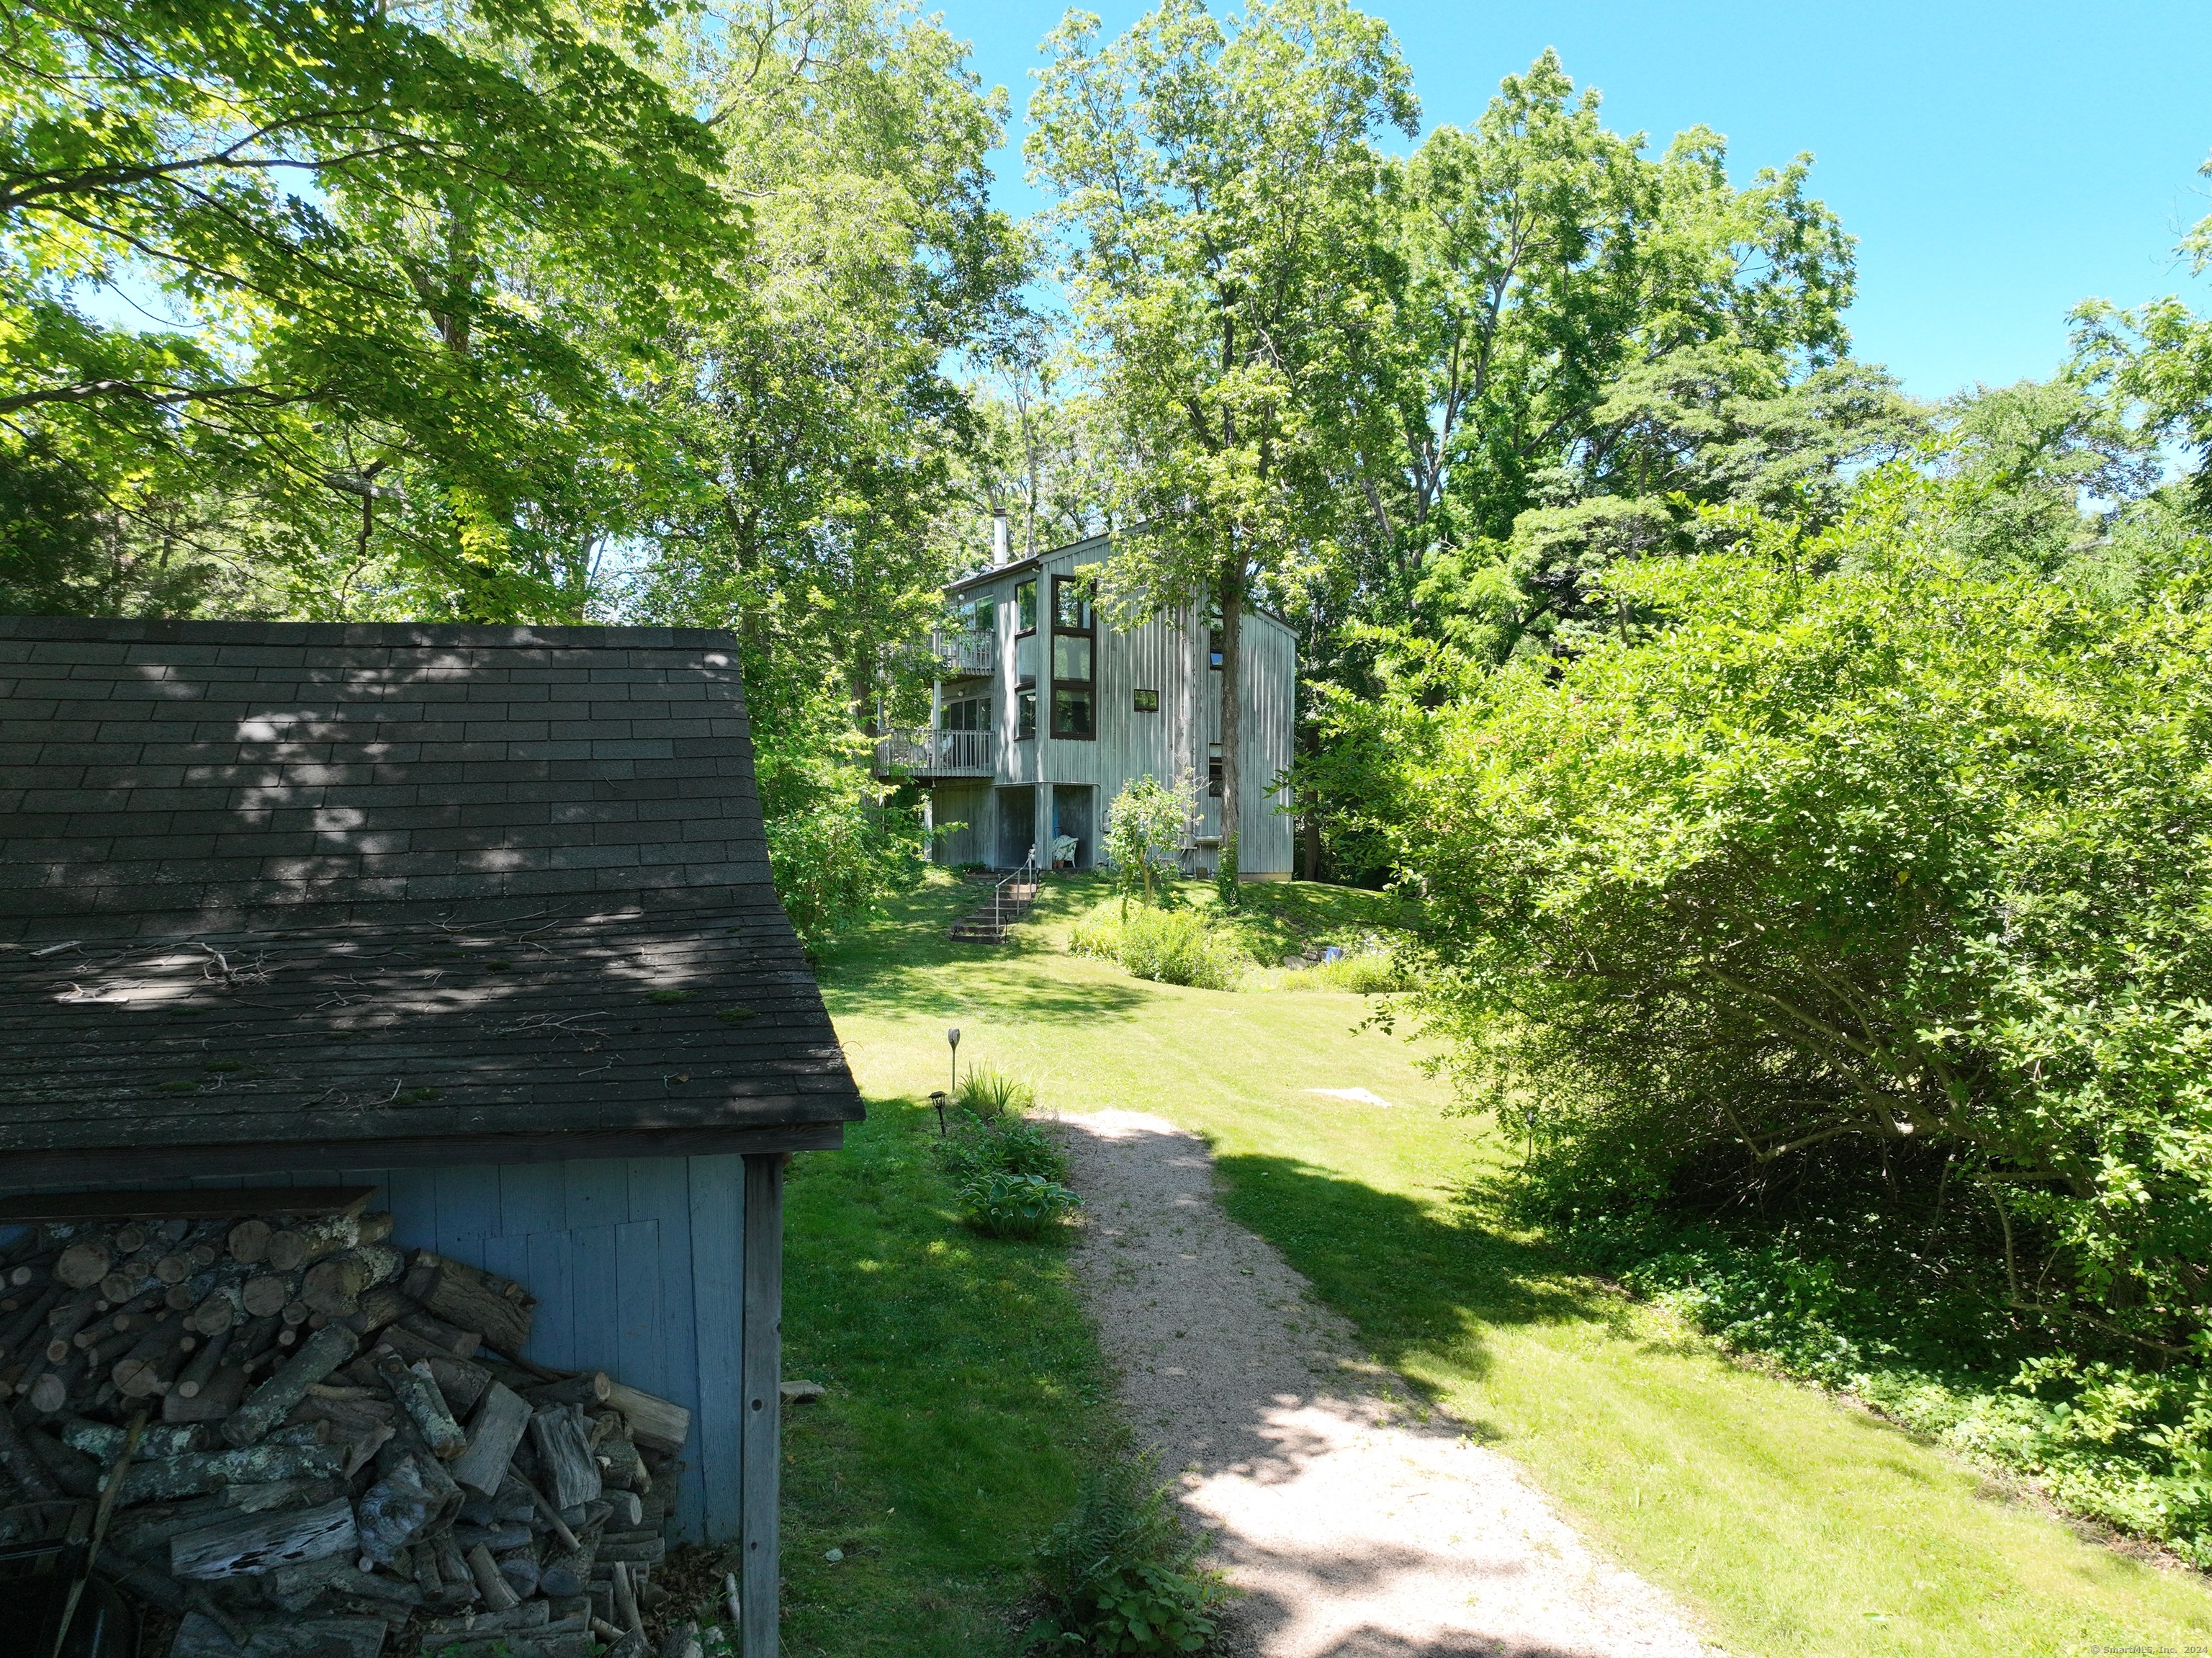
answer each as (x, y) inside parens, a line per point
(1792, 1525)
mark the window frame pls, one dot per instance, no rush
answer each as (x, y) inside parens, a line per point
(1029, 587)
(1138, 705)
(1087, 589)
(1025, 702)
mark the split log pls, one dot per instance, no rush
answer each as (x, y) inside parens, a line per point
(520, 1571)
(499, 1539)
(395, 1511)
(283, 1493)
(536, 1615)
(322, 1353)
(222, 1308)
(591, 1387)
(635, 1549)
(493, 1432)
(462, 1383)
(489, 1584)
(198, 1373)
(445, 1337)
(251, 1545)
(460, 1582)
(385, 1303)
(654, 1421)
(264, 1295)
(569, 1572)
(64, 1323)
(218, 1397)
(418, 1395)
(626, 1601)
(249, 1242)
(496, 1308)
(140, 1371)
(571, 1471)
(333, 1287)
(84, 1264)
(50, 1392)
(198, 1471)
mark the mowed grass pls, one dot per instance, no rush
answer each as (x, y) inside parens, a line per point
(1791, 1524)
(965, 1394)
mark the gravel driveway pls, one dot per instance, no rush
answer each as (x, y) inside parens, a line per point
(1357, 1528)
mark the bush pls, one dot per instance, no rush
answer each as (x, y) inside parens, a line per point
(1364, 973)
(986, 1092)
(1171, 946)
(1000, 1204)
(1873, 892)
(1006, 1144)
(1120, 1571)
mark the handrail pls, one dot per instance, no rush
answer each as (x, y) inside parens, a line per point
(934, 751)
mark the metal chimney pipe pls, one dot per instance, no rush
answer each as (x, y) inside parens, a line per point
(1002, 538)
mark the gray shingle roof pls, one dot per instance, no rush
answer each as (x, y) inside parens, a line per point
(397, 893)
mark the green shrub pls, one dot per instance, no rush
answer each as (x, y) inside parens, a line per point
(1366, 972)
(1007, 1145)
(1882, 893)
(1000, 1204)
(1120, 1571)
(986, 1091)
(1171, 946)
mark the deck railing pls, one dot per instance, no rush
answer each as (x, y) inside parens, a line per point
(928, 751)
(973, 651)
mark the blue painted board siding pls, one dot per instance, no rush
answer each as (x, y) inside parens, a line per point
(638, 1266)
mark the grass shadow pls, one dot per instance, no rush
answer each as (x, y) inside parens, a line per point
(1412, 1277)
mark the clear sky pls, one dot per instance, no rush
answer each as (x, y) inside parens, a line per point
(1998, 163)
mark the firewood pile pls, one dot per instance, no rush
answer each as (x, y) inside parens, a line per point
(328, 1446)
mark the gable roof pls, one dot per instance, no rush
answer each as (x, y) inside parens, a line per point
(276, 895)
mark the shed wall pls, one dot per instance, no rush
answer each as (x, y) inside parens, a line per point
(638, 1267)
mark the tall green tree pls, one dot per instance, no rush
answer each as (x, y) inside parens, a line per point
(361, 236)
(1217, 178)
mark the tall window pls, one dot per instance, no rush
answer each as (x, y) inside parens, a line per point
(1214, 771)
(1025, 606)
(1074, 657)
(1025, 712)
(968, 714)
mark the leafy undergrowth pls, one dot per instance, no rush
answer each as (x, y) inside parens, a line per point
(964, 1386)
(1190, 940)
(1927, 1342)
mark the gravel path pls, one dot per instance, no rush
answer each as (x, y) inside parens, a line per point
(1357, 1528)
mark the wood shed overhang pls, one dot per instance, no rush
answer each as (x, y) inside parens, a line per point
(281, 895)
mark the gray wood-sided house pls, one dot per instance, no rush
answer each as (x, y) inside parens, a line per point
(1042, 709)
(479, 917)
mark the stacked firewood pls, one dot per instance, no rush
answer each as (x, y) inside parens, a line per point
(327, 1444)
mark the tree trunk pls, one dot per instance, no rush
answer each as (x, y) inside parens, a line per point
(1231, 594)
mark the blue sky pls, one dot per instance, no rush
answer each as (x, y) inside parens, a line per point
(1998, 163)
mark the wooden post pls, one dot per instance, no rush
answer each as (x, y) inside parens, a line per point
(763, 1362)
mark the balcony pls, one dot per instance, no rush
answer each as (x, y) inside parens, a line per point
(926, 751)
(962, 655)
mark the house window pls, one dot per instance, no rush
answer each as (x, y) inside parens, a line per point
(1214, 771)
(968, 714)
(1071, 713)
(1213, 648)
(1025, 606)
(1074, 656)
(1148, 702)
(1025, 712)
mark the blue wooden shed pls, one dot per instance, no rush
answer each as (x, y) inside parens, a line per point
(480, 917)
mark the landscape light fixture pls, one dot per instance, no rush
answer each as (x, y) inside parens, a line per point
(952, 1039)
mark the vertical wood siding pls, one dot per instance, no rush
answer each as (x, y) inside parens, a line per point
(1168, 655)
(638, 1267)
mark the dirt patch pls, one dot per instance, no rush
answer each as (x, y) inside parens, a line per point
(1359, 1524)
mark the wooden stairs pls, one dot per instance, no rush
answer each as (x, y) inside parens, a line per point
(1009, 902)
